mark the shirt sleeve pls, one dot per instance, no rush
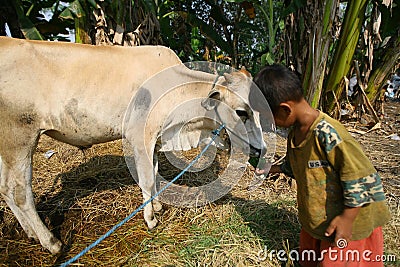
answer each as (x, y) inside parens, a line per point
(360, 182)
(363, 190)
(286, 169)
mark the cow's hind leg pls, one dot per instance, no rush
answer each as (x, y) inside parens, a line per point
(16, 189)
(6, 189)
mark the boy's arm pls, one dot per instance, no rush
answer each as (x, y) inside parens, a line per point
(284, 167)
(360, 182)
(342, 225)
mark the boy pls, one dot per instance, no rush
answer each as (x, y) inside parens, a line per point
(341, 203)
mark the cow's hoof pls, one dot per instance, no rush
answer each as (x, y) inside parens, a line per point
(152, 223)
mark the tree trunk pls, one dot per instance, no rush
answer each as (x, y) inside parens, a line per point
(383, 69)
(313, 35)
(319, 47)
(81, 32)
(82, 24)
(8, 15)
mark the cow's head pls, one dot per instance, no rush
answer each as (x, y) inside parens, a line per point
(233, 91)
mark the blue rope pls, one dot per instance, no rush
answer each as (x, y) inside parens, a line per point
(95, 243)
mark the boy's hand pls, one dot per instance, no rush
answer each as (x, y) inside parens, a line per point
(272, 169)
(260, 171)
(342, 225)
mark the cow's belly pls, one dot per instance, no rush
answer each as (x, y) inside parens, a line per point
(83, 129)
(84, 139)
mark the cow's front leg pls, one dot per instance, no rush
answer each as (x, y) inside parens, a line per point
(157, 206)
(146, 176)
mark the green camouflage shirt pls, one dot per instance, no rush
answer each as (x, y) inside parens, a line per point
(332, 172)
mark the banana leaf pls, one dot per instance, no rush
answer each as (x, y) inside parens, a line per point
(74, 10)
(27, 27)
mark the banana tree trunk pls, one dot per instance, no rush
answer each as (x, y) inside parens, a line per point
(386, 63)
(319, 44)
(343, 57)
(81, 33)
(307, 44)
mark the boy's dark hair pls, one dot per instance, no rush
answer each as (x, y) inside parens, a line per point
(278, 84)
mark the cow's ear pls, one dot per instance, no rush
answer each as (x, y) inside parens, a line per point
(212, 100)
(245, 72)
(237, 76)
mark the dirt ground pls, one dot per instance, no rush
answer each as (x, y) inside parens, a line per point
(382, 146)
(78, 201)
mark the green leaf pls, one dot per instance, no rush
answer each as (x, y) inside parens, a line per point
(30, 32)
(281, 25)
(27, 27)
(76, 9)
(66, 14)
(92, 3)
(208, 31)
(267, 58)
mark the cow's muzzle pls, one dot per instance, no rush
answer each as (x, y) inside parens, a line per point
(255, 152)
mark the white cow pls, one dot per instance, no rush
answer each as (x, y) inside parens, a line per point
(79, 94)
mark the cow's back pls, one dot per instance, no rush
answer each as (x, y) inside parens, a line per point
(81, 66)
(75, 90)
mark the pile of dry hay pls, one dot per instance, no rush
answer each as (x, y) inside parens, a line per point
(80, 195)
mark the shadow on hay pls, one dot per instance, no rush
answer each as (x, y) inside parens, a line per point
(98, 175)
(277, 226)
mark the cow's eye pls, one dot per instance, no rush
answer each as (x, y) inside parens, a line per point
(242, 114)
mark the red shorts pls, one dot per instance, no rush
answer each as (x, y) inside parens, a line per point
(359, 253)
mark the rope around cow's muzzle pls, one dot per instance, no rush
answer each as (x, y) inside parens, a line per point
(130, 216)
